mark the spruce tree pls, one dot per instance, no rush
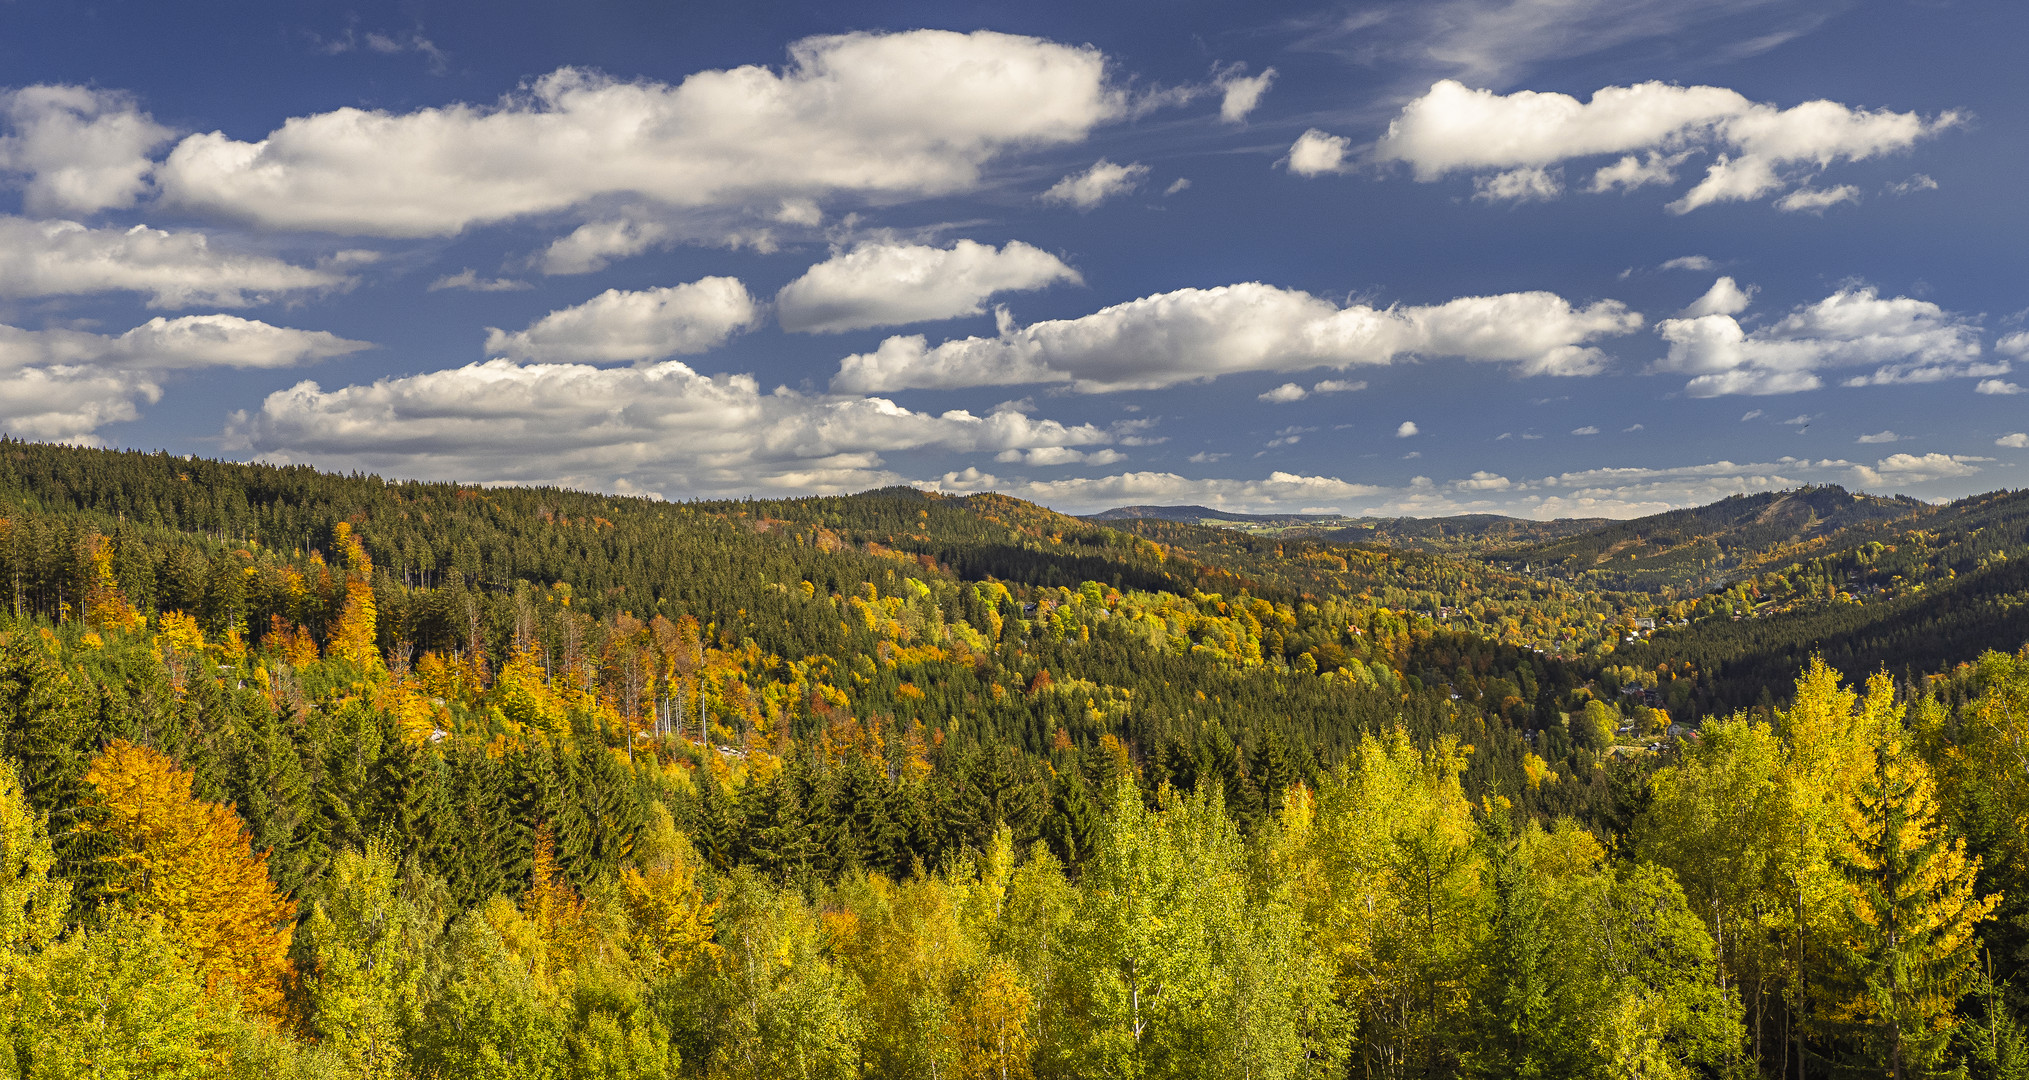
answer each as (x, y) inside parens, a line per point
(1910, 949)
(268, 785)
(45, 727)
(878, 841)
(1513, 1006)
(1073, 819)
(719, 828)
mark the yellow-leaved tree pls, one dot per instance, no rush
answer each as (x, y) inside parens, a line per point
(353, 635)
(1909, 950)
(188, 862)
(665, 901)
(32, 904)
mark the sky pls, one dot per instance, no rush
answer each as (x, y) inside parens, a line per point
(1546, 258)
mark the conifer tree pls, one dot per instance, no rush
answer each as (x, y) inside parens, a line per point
(998, 788)
(414, 813)
(1911, 946)
(719, 825)
(612, 812)
(877, 839)
(1073, 819)
(45, 728)
(1270, 773)
(1513, 1001)
(777, 834)
(484, 858)
(267, 784)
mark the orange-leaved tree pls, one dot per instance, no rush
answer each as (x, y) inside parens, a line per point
(188, 861)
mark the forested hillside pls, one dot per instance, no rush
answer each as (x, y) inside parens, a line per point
(1687, 550)
(335, 776)
(1907, 597)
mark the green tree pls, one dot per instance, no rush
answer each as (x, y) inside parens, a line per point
(1910, 949)
(1513, 1000)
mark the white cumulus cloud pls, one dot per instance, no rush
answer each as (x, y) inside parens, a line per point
(1650, 129)
(1240, 92)
(882, 115)
(1097, 184)
(1997, 386)
(1061, 455)
(1527, 184)
(881, 284)
(2017, 441)
(1906, 340)
(651, 324)
(1723, 298)
(1316, 153)
(1284, 394)
(1817, 200)
(1897, 470)
(596, 244)
(1197, 334)
(66, 384)
(1279, 490)
(655, 428)
(80, 149)
(173, 269)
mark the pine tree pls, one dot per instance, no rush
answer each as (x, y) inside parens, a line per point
(612, 811)
(484, 859)
(414, 812)
(820, 791)
(998, 788)
(878, 841)
(351, 738)
(720, 827)
(545, 793)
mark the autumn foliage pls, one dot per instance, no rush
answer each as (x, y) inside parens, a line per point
(188, 862)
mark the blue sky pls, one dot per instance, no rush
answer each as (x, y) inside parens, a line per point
(1537, 257)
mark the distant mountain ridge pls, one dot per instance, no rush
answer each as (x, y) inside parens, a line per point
(1687, 548)
(1700, 545)
(1458, 532)
(1198, 514)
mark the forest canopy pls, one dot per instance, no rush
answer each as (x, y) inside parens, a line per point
(303, 774)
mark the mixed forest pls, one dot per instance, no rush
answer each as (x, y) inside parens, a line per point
(333, 776)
